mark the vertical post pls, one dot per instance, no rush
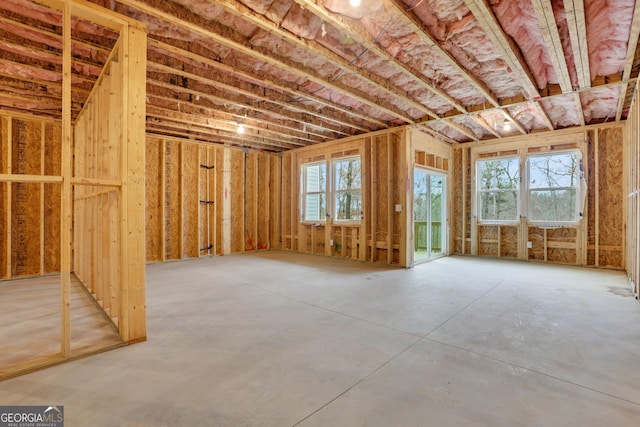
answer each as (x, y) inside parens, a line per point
(9, 190)
(132, 171)
(65, 226)
(596, 166)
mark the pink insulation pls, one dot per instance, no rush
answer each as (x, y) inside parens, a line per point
(519, 20)
(608, 24)
(562, 110)
(601, 104)
(457, 30)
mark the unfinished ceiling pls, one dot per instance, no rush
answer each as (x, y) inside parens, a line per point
(296, 73)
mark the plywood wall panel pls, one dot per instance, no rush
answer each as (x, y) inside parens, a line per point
(457, 204)
(236, 200)
(251, 202)
(5, 144)
(508, 242)
(173, 196)
(263, 206)
(190, 200)
(611, 215)
(26, 221)
(275, 165)
(52, 193)
(154, 216)
(221, 194)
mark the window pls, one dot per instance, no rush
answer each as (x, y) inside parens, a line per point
(341, 198)
(498, 185)
(314, 189)
(554, 187)
(347, 189)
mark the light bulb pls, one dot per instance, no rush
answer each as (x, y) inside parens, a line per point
(354, 3)
(240, 129)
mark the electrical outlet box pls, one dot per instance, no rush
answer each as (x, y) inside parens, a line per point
(529, 245)
(398, 208)
(330, 242)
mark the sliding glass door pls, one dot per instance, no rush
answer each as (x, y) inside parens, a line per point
(429, 214)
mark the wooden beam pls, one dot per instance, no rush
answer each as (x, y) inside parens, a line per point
(293, 116)
(267, 83)
(66, 201)
(219, 127)
(284, 64)
(422, 31)
(630, 58)
(362, 36)
(549, 28)
(551, 35)
(504, 44)
(287, 132)
(574, 10)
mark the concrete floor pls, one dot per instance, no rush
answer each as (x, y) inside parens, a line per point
(281, 339)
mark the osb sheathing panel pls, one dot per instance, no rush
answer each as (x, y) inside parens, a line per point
(4, 204)
(274, 201)
(236, 199)
(173, 195)
(488, 240)
(457, 202)
(398, 194)
(206, 191)
(251, 202)
(466, 168)
(263, 208)
(52, 192)
(591, 198)
(318, 239)
(536, 237)
(566, 236)
(286, 206)
(154, 208)
(508, 242)
(381, 188)
(610, 144)
(190, 200)
(220, 195)
(25, 198)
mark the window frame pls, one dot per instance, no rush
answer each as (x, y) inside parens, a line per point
(330, 192)
(578, 189)
(304, 193)
(479, 191)
(335, 191)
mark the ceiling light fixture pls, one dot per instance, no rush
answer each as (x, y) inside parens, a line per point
(354, 3)
(240, 128)
(506, 125)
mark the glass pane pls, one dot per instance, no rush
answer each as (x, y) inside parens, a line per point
(499, 206)
(554, 170)
(348, 174)
(315, 177)
(552, 205)
(420, 214)
(436, 214)
(502, 174)
(348, 206)
(315, 207)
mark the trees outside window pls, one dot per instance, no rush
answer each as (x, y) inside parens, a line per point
(341, 198)
(498, 185)
(347, 189)
(553, 188)
(554, 185)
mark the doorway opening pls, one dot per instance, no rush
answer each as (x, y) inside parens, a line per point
(429, 214)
